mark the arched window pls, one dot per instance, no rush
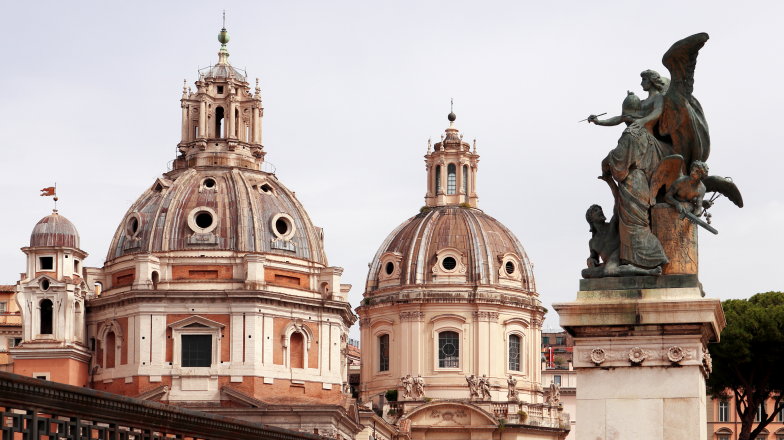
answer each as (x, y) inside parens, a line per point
(219, 122)
(236, 123)
(155, 278)
(46, 317)
(110, 351)
(465, 180)
(451, 178)
(514, 352)
(438, 179)
(297, 354)
(448, 350)
(383, 353)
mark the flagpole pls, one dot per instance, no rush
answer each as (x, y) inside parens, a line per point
(55, 197)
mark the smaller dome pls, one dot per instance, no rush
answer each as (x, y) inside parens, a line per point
(54, 230)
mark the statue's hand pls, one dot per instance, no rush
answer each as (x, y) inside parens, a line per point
(637, 125)
(593, 262)
(593, 118)
(679, 207)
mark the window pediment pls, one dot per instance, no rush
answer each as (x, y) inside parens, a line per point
(196, 319)
(449, 317)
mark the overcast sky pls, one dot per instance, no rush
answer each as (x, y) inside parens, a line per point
(353, 90)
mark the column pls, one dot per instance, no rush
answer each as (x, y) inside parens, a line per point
(232, 122)
(184, 106)
(142, 351)
(254, 125)
(202, 119)
(158, 340)
(235, 340)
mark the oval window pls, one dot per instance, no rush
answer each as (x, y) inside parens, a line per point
(45, 285)
(390, 268)
(209, 183)
(204, 220)
(282, 226)
(449, 263)
(510, 267)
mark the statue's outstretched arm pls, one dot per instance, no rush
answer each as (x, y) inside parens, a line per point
(606, 122)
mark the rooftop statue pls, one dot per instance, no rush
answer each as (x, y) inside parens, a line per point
(666, 137)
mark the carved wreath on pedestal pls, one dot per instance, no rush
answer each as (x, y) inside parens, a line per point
(598, 356)
(675, 354)
(637, 355)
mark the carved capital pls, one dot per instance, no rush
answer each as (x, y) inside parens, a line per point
(364, 323)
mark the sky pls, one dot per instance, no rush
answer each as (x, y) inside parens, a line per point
(353, 90)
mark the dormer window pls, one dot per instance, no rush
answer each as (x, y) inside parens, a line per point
(220, 90)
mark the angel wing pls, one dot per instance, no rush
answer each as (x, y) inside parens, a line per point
(668, 170)
(682, 117)
(724, 186)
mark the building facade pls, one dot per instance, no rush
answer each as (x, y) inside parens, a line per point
(216, 292)
(451, 319)
(10, 326)
(557, 348)
(724, 424)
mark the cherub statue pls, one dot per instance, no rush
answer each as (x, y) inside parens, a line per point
(473, 386)
(687, 193)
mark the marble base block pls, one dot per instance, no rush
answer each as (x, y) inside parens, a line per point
(641, 358)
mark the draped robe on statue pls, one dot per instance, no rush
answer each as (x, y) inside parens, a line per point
(631, 164)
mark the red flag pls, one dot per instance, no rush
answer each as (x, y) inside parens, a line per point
(47, 191)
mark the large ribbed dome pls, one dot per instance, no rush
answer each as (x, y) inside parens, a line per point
(489, 253)
(54, 230)
(218, 209)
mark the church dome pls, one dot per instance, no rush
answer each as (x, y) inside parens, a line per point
(451, 244)
(54, 230)
(218, 209)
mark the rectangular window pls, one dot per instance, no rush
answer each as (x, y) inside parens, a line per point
(383, 364)
(559, 340)
(196, 132)
(196, 350)
(220, 90)
(76, 267)
(451, 178)
(781, 418)
(724, 438)
(46, 263)
(514, 352)
(557, 380)
(545, 340)
(13, 342)
(2, 307)
(448, 350)
(760, 413)
(724, 411)
(247, 133)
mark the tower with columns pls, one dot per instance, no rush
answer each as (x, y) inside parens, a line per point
(451, 170)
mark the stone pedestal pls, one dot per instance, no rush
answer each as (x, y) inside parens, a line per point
(640, 355)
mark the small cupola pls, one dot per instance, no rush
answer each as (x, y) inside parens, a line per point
(451, 169)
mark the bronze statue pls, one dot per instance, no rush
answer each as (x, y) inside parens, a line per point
(668, 124)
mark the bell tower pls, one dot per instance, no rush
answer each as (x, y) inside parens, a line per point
(221, 120)
(51, 298)
(451, 170)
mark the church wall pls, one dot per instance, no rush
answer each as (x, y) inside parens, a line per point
(67, 371)
(123, 322)
(202, 272)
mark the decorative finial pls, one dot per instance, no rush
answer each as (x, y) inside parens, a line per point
(428, 145)
(223, 38)
(185, 88)
(258, 89)
(474, 145)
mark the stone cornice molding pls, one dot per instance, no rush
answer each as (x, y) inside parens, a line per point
(196, 319)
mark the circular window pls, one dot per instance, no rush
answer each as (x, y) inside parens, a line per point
(449, 349)
(449, 263)
(209, 183)
(510, 267)
(45, 285)
(132, 225)
(390, 268)
(266, 188)
(281, 226)
(204, 219)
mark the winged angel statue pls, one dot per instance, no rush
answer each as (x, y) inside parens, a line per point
(660, 157)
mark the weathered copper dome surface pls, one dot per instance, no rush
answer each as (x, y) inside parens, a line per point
(246, 204)
(481, 239)
(54, 230)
